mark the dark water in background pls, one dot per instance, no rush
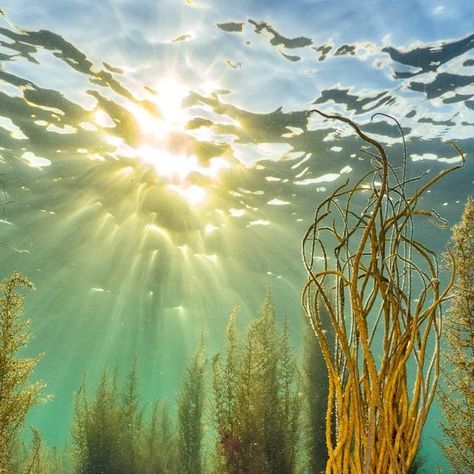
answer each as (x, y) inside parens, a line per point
(159, 168)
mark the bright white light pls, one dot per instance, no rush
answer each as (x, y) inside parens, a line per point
(168, 165)
(103, 119)
(170, 96)
(35, 161)
(210, 228)
(193, 194)
(277, 202)
(167, 145)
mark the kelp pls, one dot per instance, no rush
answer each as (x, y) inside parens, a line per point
(37, 458)
(381, 289)
(108, 427)
(265, 416)
(158, 441)
(112, 434)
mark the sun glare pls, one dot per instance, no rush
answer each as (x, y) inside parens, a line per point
(164, 143)
(173, 166)
(169, 98)
(167, 145)
(192, 194)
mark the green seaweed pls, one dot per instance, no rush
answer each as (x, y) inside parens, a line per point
(190, 409)
(457, 394)
(107, 428)
(158, 442)
(257, 402)
(17, 393)
(266, 415)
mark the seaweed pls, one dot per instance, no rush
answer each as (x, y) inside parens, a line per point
(107, 428)
(457, 391)
(257, 402)
(113, 434)
(158, 442)
(386, 315)
(190, 410)
(17, 393)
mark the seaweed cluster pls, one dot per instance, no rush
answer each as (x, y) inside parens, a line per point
(252, 416)
(17, 393)
(110, 434)
(253, 410)
(380, 287)
(257, 401)
(457, 393)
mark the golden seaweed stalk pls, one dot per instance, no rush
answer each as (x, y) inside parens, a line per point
(380, 288)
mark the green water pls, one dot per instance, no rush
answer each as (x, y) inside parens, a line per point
(158, 167)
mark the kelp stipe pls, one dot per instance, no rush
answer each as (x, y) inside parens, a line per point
(457, 391)
(373, 261)
(17, 394)
(257, 403)
(190, 411)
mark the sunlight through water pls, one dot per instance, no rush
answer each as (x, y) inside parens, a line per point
(158, 166)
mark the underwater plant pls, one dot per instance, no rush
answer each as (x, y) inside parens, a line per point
(36, 462)
(39, 459)
(316, 388)
(17, 394)
(112, 435)
(385, 314)
(190, 410)
(158, 442)
(257, 403)
(107, 428)
(457, 394)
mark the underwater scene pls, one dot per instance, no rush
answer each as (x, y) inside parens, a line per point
(236, 236)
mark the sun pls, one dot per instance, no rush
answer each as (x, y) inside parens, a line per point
(169, 98)
(167, 146)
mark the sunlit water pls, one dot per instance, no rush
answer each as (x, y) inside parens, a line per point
(158, 166)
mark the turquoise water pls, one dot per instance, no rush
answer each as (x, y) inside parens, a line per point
(159, 168)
